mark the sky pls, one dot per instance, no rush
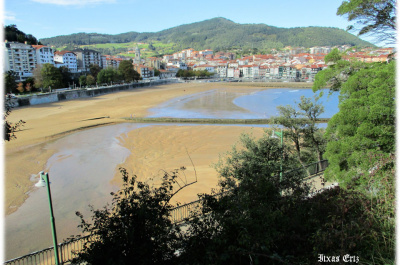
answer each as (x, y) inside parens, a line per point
(50, 18)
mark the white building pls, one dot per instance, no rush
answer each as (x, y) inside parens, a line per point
(20, 58)
(66, 59)
(206, 52)
(44, 54)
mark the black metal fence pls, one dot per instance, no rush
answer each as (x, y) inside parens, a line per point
(46, 256)
(178, 215)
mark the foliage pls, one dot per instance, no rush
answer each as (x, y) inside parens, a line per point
(136, 229)
(376, 17)
(336, 74)
(108, 75)
(191, 73)
(126, 69)
(38, 77)
(29, 84)
(9, 127)
(94, 70)
(12, 33)
(256, 219)
(20, 87)
(300, 126)
(333, 56)
(82, 80)
(221, 33)
(90, 80)
(364, 126)
(52, 77)
(253, 216)
(66, 76)
(10, 81)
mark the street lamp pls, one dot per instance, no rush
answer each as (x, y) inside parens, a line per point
(44, 182)
(275, 135)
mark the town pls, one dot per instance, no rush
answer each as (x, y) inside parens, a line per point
(288, 64)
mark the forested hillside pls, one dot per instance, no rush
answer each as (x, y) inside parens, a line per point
(221, 33)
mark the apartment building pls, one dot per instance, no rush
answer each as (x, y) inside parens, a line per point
(44, 54)
(20, 58)
(143, 70)
(86, 57)
(66, 59)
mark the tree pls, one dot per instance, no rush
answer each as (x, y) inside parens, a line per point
(66, 76)
(20, 87)
(333, 56)
(28, 87)
(37, 75)
(10, 81)
(94, 70)
(136, 229)
(108, 76)
(90, 80)
(52, 77)
(29, 84)
(82, 80)
(9, 127)
(126, 69)
(294, 123)
(311, 133)
(376, 17)
(364, 126)
(252, 219)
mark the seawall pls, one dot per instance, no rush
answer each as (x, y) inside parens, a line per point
(82, 93)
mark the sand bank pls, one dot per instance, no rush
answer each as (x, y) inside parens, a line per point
(44, 123)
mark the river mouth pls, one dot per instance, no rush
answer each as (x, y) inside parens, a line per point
(84, 163)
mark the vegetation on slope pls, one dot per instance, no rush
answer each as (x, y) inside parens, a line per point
(221, 34)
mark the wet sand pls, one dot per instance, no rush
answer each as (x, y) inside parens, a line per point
(45, 123)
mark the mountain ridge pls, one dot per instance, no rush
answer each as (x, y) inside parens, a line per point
(221, 33)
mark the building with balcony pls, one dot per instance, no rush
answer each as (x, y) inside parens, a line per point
(144, 71)
(86, 57)
(66, 59)
(20, 58)
(44, 54)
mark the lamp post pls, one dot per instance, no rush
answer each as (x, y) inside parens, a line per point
(44, 182)
(275, 135)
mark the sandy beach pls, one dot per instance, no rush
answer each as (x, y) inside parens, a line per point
(156, 148)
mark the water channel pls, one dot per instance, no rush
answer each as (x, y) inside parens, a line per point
(84, 162)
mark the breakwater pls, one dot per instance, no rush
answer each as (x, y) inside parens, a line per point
(208, 121)
(70, 94)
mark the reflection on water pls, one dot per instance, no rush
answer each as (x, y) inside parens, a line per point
(256, 105)
(210, 104)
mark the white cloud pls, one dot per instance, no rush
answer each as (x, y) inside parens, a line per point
(73, 2)
(9, 16)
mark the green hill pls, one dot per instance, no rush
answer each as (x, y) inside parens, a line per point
(222, 34)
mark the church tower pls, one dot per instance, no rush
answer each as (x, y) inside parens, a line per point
(137, 56)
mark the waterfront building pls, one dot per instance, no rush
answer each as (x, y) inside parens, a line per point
(66, 59)
(44, 54)
(86, 57)
(20, 58)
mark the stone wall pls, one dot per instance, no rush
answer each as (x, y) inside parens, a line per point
(83, 93)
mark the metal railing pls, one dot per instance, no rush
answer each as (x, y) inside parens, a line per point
(178, 215)
(46, 256)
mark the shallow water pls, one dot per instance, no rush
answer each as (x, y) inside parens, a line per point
(80, 172)
(84, 162)
(255, 105)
